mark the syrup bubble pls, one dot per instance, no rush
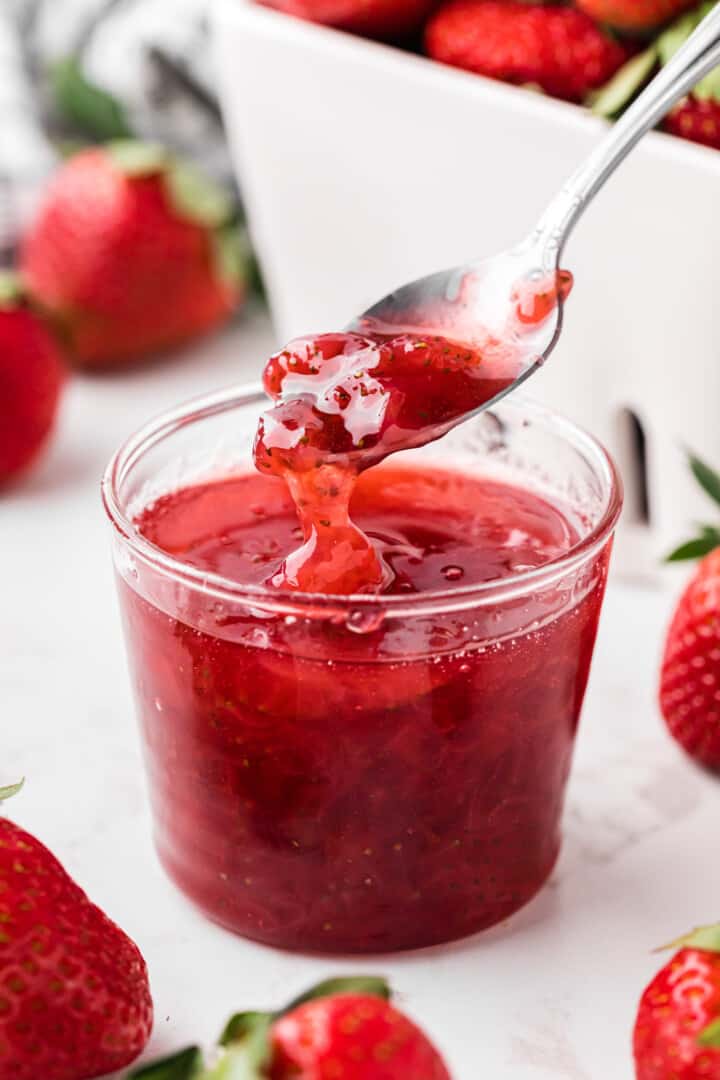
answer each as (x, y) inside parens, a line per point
(365, 621)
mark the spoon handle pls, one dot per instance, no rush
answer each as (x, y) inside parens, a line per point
(696, 57)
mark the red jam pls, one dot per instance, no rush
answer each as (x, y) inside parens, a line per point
(380, 773)
(374, 782)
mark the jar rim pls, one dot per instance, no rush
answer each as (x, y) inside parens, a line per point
(290, 602)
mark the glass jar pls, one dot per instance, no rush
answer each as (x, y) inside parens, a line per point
(367, 773)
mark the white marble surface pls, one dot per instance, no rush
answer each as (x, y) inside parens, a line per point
(551, 994)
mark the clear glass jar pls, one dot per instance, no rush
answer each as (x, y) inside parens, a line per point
(360, 774)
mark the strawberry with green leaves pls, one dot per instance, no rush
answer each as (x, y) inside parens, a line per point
(677, 1031)
(697, 116)
(133, 252)
(32, 375)
(690, 673)
(343, 1028)
(74, 996)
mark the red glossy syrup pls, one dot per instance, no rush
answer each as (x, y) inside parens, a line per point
(345, 402)
(370, 781)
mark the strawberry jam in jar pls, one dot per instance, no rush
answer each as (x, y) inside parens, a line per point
(373, 771)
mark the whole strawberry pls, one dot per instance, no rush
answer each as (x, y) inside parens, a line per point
(32, 373)
(559, 49)
(690, 673)
(371, 18)
(74, 996)
(363, 1034)
(341, 1028)
(677, 1031)
(132, 252)
(633, 16)
(696, 119)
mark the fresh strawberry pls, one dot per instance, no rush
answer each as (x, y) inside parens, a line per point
(133, 252)
(677, 1031)
(632, 16)
(696, 119)
(690, 674)
(32, 373)
(74, 996)
(342, 1028)
(383, 19)
(556, 48)
(364, 1035)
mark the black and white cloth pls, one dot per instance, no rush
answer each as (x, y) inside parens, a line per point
(153, 55)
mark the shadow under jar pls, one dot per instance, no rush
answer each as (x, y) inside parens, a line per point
(368, 773)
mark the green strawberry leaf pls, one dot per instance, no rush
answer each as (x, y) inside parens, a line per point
(710, 1036)
(136, 158)
(679, 31)
(612, 98)
(233, 255)
(676, 35)
(11, 289)
(11, 789)
(186, 1065)
(243, 1025)
(352, 984)
(708, 89)
(695, 549)
(196, 197)
(707, 478)
(239, 1062)
(245, 1042)
(95, 112)
(706, 938)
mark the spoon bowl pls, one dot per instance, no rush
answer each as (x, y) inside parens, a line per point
(508, 307)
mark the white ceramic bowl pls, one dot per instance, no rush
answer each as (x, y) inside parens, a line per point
(363, 167)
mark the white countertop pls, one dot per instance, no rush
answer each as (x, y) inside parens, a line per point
(551, 994)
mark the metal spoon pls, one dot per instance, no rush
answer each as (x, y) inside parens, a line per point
(478, 301)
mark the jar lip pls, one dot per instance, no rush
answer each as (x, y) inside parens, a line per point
(303, 604)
